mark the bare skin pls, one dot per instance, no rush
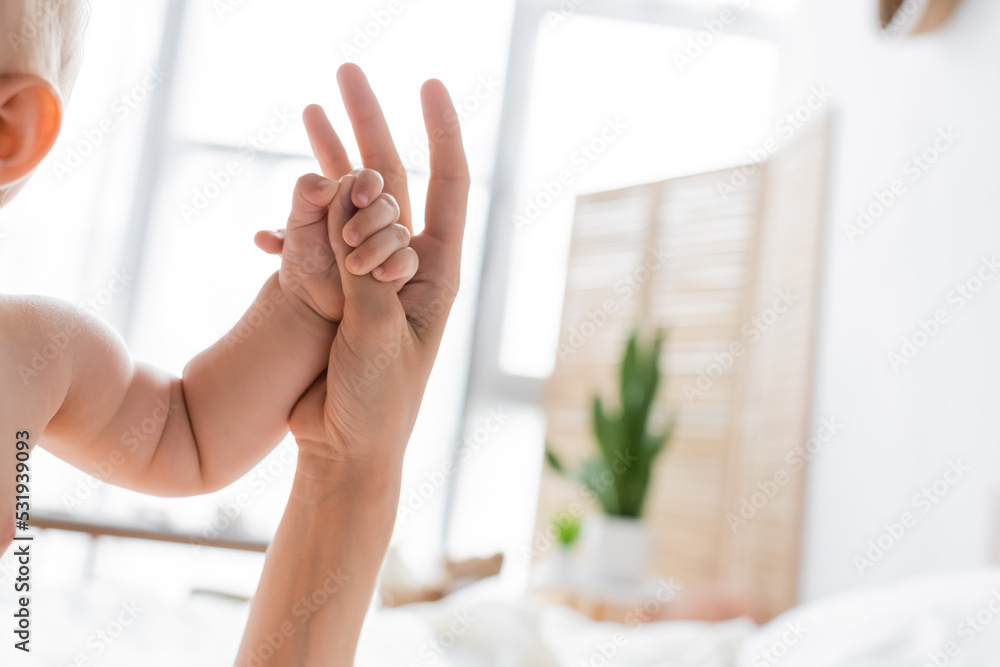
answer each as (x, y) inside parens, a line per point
(68, 382)
(352, 426)
(299, 358)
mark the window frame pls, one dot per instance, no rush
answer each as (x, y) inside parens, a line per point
(488, 383)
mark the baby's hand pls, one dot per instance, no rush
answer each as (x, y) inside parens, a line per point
(309, 275)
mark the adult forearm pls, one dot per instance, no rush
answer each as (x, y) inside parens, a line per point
(321, 570)
(267, 360)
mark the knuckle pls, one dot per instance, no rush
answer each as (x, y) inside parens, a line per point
(396, 175)
(370, 176)
(392, 206)
(402, 233)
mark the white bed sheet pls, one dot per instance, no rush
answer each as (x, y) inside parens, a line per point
(909, 625)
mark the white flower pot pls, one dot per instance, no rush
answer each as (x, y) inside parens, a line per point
(616, 549)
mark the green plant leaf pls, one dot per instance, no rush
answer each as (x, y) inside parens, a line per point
(593, 476)
(624, 435)
(567, 528)
(554, 461)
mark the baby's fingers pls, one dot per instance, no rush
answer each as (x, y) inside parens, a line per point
(377, 249)
(367, 187)
(271, 242)
(399, 268)
(310, 201)
(383, 212)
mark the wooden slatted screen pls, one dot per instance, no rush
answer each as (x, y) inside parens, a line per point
(676, 254)
(775, 415)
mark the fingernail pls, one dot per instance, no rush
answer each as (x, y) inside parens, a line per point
(324, 184)
(362, 199)
(353, 236)
(378, 272)
(353, 263)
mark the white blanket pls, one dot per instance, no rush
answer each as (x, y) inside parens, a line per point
(951, 621)
(475, 629)
(942, 621)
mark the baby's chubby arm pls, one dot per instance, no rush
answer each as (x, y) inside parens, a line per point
(135, 426)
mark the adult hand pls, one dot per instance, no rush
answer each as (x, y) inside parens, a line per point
(352, 425)
(365, 407)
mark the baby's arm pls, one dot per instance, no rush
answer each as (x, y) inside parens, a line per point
(70, 377)
(70, 383)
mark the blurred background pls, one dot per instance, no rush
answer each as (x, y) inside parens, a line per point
(569, 109)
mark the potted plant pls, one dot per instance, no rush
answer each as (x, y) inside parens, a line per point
(617, 544)
(566, 527)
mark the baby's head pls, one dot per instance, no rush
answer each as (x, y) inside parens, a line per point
(40, 48)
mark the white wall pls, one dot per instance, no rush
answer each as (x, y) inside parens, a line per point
(902, 428)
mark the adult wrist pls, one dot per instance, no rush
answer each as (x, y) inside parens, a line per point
(319, 474)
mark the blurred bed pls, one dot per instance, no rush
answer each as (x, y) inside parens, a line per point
(942, 620)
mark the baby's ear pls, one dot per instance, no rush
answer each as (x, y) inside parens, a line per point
(30, 118)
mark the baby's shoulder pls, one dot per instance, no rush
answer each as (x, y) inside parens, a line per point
(33, 346)
(35, 331)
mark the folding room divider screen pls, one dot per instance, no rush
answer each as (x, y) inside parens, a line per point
(728, 262)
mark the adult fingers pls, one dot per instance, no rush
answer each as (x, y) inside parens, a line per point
(372, 133)
(448, 190)
(326, 145)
